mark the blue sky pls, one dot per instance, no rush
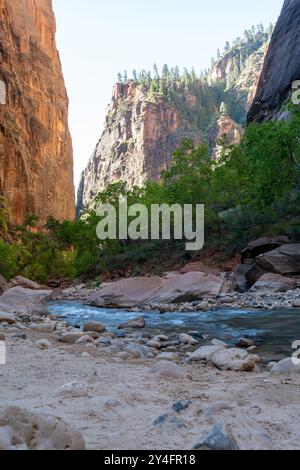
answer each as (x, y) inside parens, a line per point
(99, 38)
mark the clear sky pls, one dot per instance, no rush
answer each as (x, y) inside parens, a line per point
(99, 38)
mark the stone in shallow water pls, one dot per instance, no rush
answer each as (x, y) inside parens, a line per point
(138, 322)
(94, 326)
(245, 343)
(217, 440)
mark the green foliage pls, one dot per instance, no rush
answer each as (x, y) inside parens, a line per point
(8, 260)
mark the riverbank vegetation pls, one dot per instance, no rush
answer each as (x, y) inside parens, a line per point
(252, 189)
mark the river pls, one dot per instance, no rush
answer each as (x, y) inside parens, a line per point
(273, 331)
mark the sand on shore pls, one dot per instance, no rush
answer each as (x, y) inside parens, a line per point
(259, 410)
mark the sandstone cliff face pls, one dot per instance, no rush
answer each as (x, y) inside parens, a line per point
(136, 144)
(240, 68)
(225, 127)
(36, 161)
(143, 128)
(281, 66)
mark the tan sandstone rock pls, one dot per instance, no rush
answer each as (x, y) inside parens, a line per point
(24, 430)
(36, 162)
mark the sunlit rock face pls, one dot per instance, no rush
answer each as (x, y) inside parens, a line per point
(36, 158)
(142, 131)
(136, 144)
(281, 67)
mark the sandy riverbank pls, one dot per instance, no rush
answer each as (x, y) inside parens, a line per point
(258, 410)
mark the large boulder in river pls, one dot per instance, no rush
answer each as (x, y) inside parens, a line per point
(239, 280)
(274, 282)
(173, 288)
(125, 292)
(24, 282)
(188, 287)
(284, 260)
(254, 274)
(24, 430)
(20, 300)
(260, 246)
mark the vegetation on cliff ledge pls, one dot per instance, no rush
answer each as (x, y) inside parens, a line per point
(229, 80)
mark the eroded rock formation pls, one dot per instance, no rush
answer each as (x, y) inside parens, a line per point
(143, 127)
(281, 66)
(36, 161)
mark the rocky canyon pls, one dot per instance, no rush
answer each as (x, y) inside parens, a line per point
(148, 118)
(36, 158)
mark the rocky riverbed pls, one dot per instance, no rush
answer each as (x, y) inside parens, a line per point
(128, 389)
(257, 300)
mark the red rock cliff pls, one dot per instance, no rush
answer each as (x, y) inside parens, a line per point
(36, 159)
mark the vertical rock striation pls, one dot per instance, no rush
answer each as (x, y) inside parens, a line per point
(281, 66)
(146, 121)
(36, 158)
(136, 144)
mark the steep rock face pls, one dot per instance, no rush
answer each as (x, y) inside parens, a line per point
(281, 65)
(225, 126)
(148, 118)
(240, 68)
(136, 144)
(36, 161)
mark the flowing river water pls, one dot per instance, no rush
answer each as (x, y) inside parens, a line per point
(273, 331)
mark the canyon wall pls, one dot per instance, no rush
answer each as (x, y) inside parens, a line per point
(36, 158)
(137, 142)
(147, 119)
(281, 66)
